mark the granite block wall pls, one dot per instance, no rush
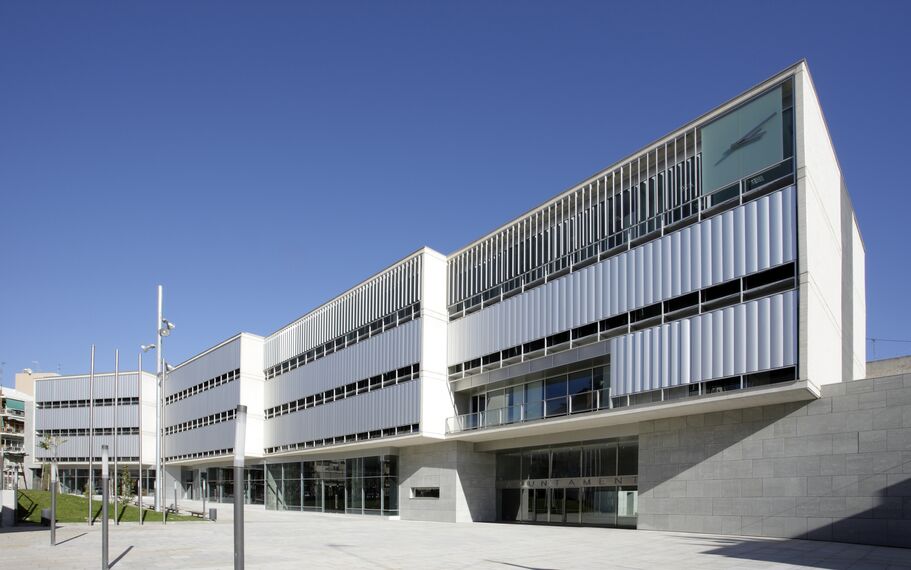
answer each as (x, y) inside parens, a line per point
(837, 468)
(466, 480)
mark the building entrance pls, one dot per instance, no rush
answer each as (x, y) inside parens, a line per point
(588, 484)
(334, 496)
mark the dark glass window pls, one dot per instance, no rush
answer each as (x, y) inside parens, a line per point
(628, 459)
(599, 460)
(425, 492)
(555, 387)
(565, 463)
(580, 382)
(535, 464)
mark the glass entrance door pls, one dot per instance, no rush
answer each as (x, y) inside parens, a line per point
(571, 505)
(536, 505)
(594, 483)
(334, 496)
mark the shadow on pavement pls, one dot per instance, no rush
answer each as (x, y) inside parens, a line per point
(808, 553)
(122, 554)
(59, 542)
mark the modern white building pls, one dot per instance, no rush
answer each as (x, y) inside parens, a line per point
(78, 414)
(668, 336)
(201, 397)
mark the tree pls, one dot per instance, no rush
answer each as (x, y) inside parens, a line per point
(49, 443)
(126, 484)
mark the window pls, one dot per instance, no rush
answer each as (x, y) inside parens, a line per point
(425, 492)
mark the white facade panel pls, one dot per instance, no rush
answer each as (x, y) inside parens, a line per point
(218, 399)
(687, 260)
(393, 289)
(708, 346)
(71, 390)
(207, 438)
(212, 363)
(243, 353)
(394, 406)
(390, 350)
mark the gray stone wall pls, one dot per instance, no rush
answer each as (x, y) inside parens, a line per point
(838, 468)
(466, 478)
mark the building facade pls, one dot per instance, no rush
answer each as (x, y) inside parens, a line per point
(662, 344)
(76, 415)
(16, 420)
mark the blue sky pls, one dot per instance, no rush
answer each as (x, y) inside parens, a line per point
(259, 158)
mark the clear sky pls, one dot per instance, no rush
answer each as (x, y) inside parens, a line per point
(258, 158)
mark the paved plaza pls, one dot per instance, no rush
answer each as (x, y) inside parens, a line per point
(308, 540)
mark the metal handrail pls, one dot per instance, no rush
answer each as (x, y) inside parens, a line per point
(559, 406)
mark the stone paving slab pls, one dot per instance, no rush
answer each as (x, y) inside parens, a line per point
(295, 540)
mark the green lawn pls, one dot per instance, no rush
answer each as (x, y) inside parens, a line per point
(74, 508)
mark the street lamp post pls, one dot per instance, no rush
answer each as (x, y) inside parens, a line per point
(116, 434)
(240, 434)
(104, 507)
(164, 328)
(143, 349)
(54, 499)
(91, 482)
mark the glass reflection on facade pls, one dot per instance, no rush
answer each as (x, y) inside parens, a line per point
(220, 484)
(360, 485)
(580, 391)
(593, 483)
(76, 480)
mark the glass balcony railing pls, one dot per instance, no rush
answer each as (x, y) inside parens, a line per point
(531, 411)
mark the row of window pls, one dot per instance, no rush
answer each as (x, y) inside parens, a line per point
(86, 431)
(203, 386)
(377, 382)
(615, 208)
(216, 418)
(393, 289)
(75, 459)
(350, 438)
(588, 391)
(86, 403)
(376, 327)
(201, 454)
(754, 187)
(660, 188)
(760, 284)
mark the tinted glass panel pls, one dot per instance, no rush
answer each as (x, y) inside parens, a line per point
(565, 463)
(742, 142)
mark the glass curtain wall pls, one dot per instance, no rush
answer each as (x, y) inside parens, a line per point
(74, 480)
(589, 483)
(576, 392)
(360, 485)
(220, 484)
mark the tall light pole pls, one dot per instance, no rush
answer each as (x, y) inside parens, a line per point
(91, 434)
(116, 425)
(164, 328)
(158, 405)
(54, 499)
(240, 435)
(104, 507)
(143, 349)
